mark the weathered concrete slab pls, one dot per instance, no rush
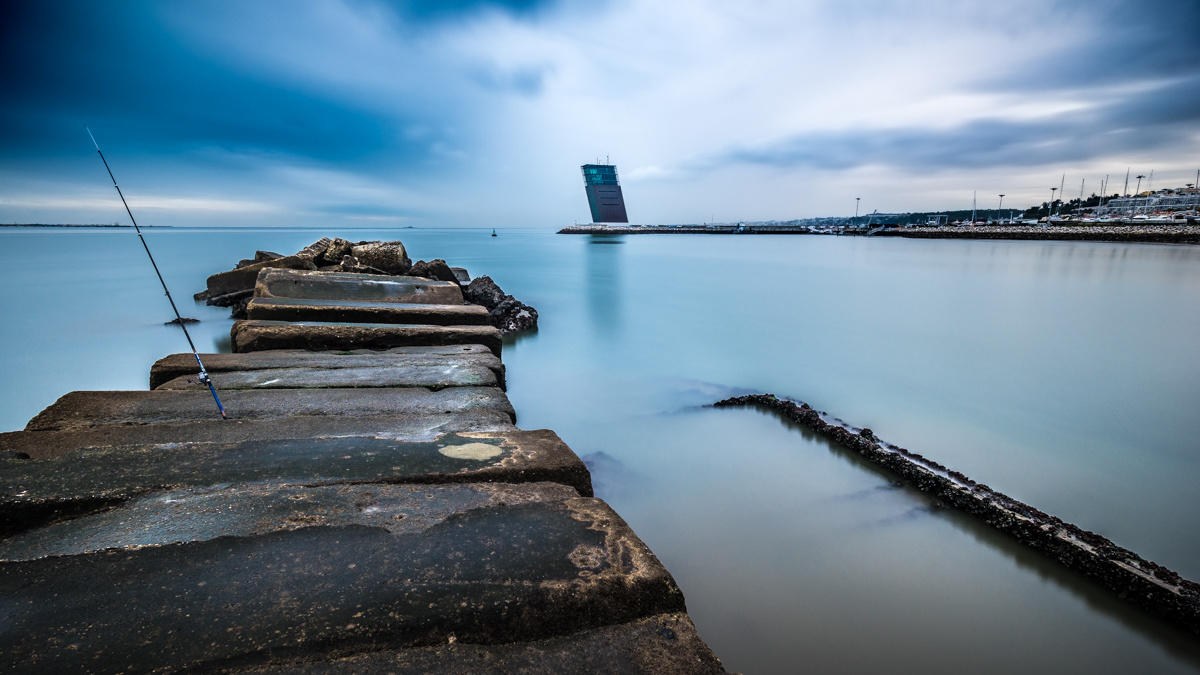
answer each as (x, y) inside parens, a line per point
(192, 514)
(83, 409)
(366, 311)
(508, 570)
(37, 491)
(47, 444)
(663, 643)
(180, 365)
(278, 283)
(243, 278)
(252, 336)
(428, 376)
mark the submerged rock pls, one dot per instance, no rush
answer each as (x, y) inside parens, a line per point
(179, 321)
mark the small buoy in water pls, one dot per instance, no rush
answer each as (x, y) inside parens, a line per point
(493, 231)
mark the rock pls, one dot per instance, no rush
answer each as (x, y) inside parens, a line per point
(505, 312)
(513, 316)
(201, 296)
(260, 256)
(460, 273)
(434, 269)
(388, 256)
(230, 299)
(244, 262)
(179, 321)
(315, 249)
(484, 291)
(338, 249)
(238, 309)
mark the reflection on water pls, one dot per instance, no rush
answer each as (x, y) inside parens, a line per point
(602, 279)
(1061, 373)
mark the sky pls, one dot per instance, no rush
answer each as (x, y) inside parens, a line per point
(473, 113)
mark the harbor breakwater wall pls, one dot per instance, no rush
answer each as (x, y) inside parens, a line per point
(1135, 580)
(1131, 232)
(370, 506)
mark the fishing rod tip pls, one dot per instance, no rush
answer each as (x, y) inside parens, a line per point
(90, 135)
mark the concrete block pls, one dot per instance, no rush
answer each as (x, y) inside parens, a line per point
(428, 376)
(278, 283)
(243, 278)
(213, 429)
(256, 335)
(663, 643)
(359, 311)
(364, 568)
(83, 409)
(95, 479)
(181, 365)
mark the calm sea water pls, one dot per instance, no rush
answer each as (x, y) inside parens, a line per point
(1064, 374)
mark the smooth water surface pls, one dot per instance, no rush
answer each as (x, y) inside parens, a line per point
(1064, 374)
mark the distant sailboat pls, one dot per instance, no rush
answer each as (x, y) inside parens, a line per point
(493, 231)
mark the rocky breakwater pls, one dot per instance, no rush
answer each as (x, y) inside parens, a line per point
(1130, 577)
(370, 506)
(235, 288)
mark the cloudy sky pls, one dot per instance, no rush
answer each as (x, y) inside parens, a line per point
(366, 112)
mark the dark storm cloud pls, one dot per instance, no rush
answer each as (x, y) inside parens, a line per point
(117, 67)
(454, 10)
(1134, 41)
(1153, 120)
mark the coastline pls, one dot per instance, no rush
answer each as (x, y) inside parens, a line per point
(1151, 233)
(1158, 234)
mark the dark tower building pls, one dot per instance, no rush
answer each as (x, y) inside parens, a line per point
(604, 193)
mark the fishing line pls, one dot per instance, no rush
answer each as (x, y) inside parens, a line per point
(204, 378)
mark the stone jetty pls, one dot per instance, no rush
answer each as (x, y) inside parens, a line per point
(1140, 582)
(371, 505)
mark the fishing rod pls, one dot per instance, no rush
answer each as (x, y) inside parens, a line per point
(204, 378)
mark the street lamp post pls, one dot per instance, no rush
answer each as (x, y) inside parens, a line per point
(856, 199)
(1000, 205)
(1050, 206)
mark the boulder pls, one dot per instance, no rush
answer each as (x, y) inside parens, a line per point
(351, 264)
(388, 256)
(315, 249)
(337, 249)
(505, 312)
(484, 291)
(260, 256)
(434, 269)
(461, 274)
(513, 316)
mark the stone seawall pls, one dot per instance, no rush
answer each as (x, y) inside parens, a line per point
(1137, 581)
(370, 505)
